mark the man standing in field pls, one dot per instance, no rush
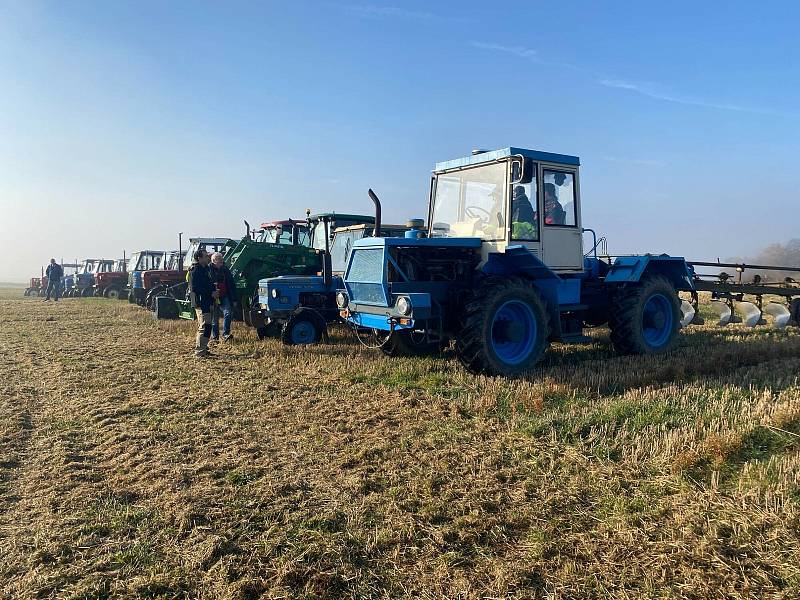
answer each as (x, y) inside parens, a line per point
(202, 294)
(54, 274)
(222, 278)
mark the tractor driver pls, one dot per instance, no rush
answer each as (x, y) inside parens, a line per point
(554, 213)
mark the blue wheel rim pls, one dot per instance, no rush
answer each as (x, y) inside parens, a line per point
(303, 332)
(657, 320)
(514, 332)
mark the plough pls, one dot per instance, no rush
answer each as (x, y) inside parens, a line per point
(728, 293)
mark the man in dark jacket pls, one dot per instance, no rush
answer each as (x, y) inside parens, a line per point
(54, 274)
(222, 278)
(202, 294)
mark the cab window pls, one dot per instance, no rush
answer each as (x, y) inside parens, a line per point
(524, 217)
(559, 198)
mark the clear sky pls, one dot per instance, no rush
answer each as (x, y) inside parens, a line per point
(123, 123)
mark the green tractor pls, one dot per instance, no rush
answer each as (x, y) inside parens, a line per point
(284, 250)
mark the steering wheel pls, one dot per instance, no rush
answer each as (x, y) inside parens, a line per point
(474, 212)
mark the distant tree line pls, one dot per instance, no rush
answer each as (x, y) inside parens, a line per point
(780, 255)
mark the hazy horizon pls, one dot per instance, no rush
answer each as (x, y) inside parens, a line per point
(122, 124)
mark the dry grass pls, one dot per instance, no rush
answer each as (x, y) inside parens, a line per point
(128, 469)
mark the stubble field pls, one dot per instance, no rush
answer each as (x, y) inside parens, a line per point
(129, 469)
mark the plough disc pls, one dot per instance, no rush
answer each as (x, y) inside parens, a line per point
(750, 313)
(779, 313)
(722, 311)
(687, 313)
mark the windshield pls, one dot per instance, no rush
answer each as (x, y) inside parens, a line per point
(318, 235)
(274, 235)
(134, 260)
(471, 203)
(340, 248)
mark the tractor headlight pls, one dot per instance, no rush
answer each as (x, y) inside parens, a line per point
(341, 300)
(275, 293)
(403, 306)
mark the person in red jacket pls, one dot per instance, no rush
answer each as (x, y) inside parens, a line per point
(222, 277)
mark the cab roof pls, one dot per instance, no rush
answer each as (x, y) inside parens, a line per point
(359, 226)
(209, 240)
(271, 224)
(493, 155)
(334, 216)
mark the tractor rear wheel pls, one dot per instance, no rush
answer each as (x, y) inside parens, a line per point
(794, 310)
(112, 292)
(27, 292)
(404, 342)
(303, 327)
(505, 328)
(645, 317)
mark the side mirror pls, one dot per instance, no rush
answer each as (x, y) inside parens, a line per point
(523, 171)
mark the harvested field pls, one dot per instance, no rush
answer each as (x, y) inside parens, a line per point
(129, 469)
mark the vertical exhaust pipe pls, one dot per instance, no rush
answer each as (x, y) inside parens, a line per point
(377, 230)
(327, 264)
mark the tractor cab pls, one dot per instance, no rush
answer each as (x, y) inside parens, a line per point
(509, 198)
(322, 226)
(287, 232)
(210, 245)
(144, 260)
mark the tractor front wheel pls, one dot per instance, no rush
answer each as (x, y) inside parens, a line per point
(112, 292)
(646, 317)
(505, 328)
(87, 292)
(404, 342)
(303, 327)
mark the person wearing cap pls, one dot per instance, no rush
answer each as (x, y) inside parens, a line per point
(222, 278)
(54, 274)
(202, 295)
(554, 213)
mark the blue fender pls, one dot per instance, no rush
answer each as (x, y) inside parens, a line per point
(631, 269)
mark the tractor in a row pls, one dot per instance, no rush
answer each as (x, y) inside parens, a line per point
(502, 272)
(171, 281)
(300, 308)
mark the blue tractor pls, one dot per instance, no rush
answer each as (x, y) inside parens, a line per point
(501, 271)
(303, 306)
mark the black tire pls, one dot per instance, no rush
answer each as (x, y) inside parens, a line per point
(629, 332)
(27, 292)
(404, 342)
(477, 344)
(87, 292)
(152, 294)
(303, 327)
(268, 330)
(112, 292)
(41, 293)
(794, 310)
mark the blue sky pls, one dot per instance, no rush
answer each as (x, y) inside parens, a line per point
(122, 123)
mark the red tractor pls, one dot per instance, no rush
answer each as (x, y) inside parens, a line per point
(171, 274)
(37, 286)
(112, 284)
